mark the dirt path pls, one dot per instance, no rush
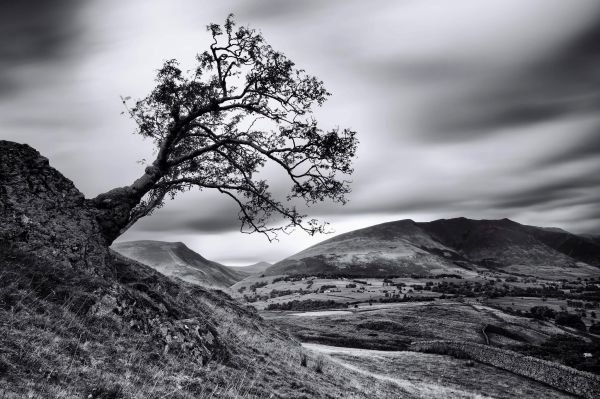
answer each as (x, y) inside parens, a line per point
(430, 376)
(421, 389)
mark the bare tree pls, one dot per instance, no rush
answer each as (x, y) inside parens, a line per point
(216, 127)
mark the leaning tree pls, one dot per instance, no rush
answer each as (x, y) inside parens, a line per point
(244, 106)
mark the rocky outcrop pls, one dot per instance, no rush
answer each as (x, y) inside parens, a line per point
(42, 212)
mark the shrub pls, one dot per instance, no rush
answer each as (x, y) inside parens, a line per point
(308, 304)
(569, 351)
(542, 312)
(258, 284)
(319, 364)
(570, 320)
(303, 359)
(106, 392)
(327, 287)
(4, 366)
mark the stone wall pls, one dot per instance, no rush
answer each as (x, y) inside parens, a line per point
(42, 212)
(565, 378)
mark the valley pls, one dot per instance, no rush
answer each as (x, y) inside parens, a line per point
(509, 293)
(362, 298)
(432, 293)
(390, 302)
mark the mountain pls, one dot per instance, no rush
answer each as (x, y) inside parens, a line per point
(510, 244)
(460, 245)
(595, 238)
(176, 260)
(256, 268)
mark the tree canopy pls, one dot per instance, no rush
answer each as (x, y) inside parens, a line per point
(217, 126)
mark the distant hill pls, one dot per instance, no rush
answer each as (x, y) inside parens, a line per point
(592, 237)
(177, 260)
(256, 268)
(459, 245)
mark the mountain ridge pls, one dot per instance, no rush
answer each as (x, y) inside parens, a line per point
(457, 245)
(177, 260)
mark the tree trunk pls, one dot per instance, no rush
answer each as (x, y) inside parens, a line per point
(114, 208)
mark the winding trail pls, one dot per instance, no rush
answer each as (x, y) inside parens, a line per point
(431, 376)
(420, 389)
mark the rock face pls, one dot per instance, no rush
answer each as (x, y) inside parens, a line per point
(42, 212)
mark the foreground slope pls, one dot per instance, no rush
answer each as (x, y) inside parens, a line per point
(460, 246)
(139, 334)
(80, 321)
(175, 259)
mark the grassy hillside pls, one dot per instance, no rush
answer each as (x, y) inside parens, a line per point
(504, 243)
(448, 246)
(395, 326)
(388, 249)
(139, 334)
(177, 260)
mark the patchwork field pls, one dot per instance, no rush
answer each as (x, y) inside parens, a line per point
(394, 326)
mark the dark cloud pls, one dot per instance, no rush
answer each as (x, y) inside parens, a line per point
(569, 190)
(591, 213)
(392, 205)
(34, 32)
(586, 147)
(565, 83)
(185, 217)
(275, 9)
(421, 73)
(448, 103)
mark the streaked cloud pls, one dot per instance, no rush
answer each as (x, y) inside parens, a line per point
(470, 108)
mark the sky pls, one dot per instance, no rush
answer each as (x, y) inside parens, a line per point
(474, 108)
